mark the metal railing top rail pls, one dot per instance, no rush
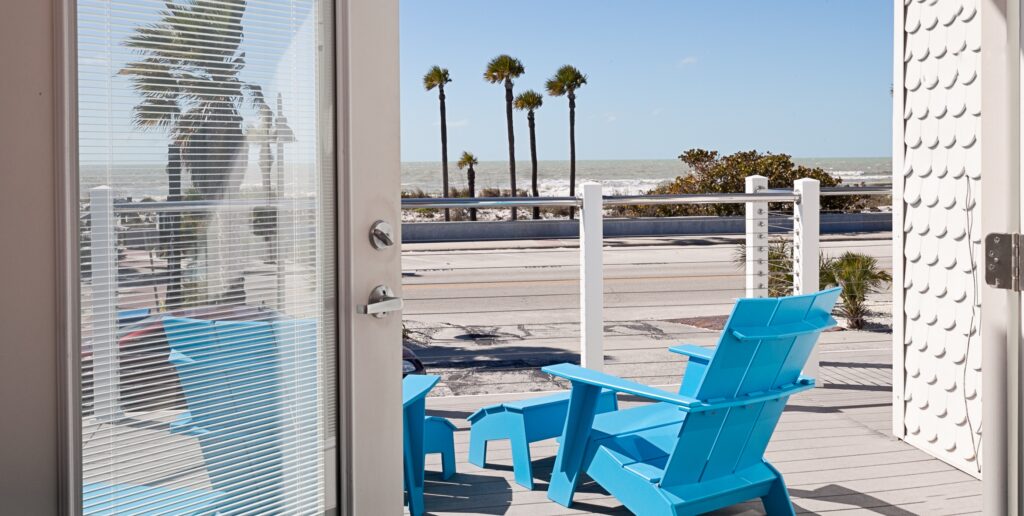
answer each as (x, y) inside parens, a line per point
(195, 206)
(773, 195)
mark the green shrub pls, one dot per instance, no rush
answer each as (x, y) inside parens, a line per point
(711, 173)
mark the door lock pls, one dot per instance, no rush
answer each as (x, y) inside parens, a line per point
(381, 235)
(382, 302)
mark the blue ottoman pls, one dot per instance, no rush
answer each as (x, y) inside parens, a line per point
(523, 422)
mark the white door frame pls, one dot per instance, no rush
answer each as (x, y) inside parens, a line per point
(369, 182)
(1001, 213)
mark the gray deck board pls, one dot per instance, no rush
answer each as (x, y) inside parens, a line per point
(833, 446)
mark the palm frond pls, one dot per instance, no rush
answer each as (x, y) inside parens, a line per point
(566, 80)
(503, 68)
(467, 160)
(528, 100)
(436, 77)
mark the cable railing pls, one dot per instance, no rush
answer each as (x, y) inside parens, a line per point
(487, 316)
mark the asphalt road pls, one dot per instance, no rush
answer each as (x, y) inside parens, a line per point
(487, 315)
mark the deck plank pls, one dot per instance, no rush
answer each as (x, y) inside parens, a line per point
(832, 445)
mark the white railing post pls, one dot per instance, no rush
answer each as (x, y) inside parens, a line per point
(757, 240)
(591, 277)
(806, 233)
(106, 384)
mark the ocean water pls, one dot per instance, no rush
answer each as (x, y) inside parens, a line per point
(625, 177)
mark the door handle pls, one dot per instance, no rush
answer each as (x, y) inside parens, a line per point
(382, 301)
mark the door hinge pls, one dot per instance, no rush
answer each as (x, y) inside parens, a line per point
(1002, 260)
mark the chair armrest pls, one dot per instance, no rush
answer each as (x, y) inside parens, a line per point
(693, 351)
(416, 386)
(783, 331)
(577, 374)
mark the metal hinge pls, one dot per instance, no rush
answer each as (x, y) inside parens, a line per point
(1002, 260)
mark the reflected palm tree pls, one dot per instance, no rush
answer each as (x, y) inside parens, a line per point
(186, 72)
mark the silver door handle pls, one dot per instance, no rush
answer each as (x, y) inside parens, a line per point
(382, 301)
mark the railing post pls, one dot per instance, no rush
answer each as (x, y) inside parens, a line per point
(591, 277)
(757, 240)
(106, 384)
(806, 233)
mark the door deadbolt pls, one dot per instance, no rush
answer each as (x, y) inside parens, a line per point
(381, 235)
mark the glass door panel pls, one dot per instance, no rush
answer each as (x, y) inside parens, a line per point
(207, 245)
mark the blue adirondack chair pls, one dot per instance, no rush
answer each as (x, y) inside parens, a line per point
(703, 448)
(421, 435)
(254, 415)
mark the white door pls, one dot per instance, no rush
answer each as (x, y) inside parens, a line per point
(233, 160)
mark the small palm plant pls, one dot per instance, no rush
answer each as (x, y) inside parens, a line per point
(503, 69)
(859, 276)
(566, 81)
(780, 266)
(530, 101)
(437, 77)
(469, 160)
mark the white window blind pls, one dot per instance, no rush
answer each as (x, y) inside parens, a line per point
(208, 269)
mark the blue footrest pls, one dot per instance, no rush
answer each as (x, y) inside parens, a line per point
(523, 422)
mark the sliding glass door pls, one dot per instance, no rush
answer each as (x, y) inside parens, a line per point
(208, 256)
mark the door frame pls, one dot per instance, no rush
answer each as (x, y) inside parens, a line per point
(1001, 309)
(369, 182)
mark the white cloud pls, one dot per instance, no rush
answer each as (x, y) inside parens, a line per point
(686, 61)
(656, 112)
(610, 117)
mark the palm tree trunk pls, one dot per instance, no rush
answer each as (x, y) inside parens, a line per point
(472, 191)
(533, 161)
(173, 297)
(444, 149)
(511, 142)
(572, 150)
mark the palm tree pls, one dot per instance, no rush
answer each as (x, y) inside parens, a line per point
(860, 276)
(187, 75)
(437, 77)
(261, 135)
(566, 81)
(503, 69)
(530, 101)
(469, 160)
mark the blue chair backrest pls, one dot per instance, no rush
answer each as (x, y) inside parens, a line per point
(252, 393)
(717, 443)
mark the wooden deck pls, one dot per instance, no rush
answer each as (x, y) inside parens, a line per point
(834, 446)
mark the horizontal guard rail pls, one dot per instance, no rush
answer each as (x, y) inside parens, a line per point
(775, 195)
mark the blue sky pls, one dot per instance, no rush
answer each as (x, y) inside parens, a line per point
(806, 77)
